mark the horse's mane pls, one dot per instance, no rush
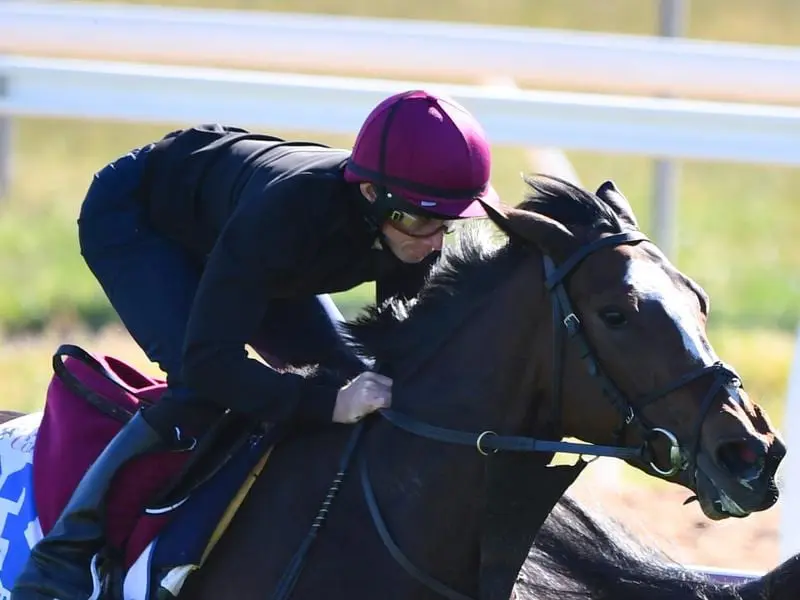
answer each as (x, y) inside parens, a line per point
(469, 266)
(570, 205)
(582, 556)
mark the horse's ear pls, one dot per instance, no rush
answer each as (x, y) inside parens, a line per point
(702, 296)
(550, 236)
(610, 194)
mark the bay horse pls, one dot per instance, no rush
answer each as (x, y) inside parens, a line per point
(573, 324)
(582, 556)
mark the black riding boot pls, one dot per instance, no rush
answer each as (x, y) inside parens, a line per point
(59, 566)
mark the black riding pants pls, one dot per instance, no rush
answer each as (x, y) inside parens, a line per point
(151, 281)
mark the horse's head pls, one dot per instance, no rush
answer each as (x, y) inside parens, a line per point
(632, 362)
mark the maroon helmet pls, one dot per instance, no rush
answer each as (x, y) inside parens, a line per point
(426, 154)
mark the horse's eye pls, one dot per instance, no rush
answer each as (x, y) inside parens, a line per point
(613, 318)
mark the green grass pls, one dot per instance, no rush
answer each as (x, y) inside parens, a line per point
(738, 225)
(738, 230)
(25, 362)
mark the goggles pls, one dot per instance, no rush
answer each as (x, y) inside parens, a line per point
(416, 225)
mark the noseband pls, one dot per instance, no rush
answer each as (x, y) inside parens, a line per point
(567, 329)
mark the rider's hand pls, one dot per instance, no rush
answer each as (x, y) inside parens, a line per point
(363, 395)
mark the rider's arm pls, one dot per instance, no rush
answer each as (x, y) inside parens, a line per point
(257, 257)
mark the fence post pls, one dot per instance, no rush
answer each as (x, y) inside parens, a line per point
(665, 176)
(790, 497)
(6, 134)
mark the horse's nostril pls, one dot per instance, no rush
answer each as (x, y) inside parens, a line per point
(742, 458)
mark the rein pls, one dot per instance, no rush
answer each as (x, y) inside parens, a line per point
(565, 322)
(489, 440)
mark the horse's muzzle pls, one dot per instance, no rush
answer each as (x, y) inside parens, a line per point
(739, 478)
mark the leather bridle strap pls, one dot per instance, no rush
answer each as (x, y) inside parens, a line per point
(565, 269)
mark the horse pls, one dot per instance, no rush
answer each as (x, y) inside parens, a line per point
(576, 326)
(565, 321)
(582, 556)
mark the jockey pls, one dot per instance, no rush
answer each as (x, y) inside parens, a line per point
(214, 237)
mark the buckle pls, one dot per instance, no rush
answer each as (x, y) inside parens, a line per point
(572, 323)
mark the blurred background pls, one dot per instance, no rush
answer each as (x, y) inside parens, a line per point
(733, 226)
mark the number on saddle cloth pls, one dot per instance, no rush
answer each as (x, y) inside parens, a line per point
(18, 519)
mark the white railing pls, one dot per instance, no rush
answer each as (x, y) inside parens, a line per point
(158, 93)
(435, 51)
(429, 50)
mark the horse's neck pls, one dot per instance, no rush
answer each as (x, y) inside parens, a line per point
(432, 493)
(487, 371)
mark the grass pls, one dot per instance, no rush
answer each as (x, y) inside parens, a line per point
(738, 225)
(25, 362)
(738, 230)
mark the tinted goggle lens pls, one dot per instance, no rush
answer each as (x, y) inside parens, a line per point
(419, 225)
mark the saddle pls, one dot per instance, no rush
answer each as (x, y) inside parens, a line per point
(88, 401)
(212, 451)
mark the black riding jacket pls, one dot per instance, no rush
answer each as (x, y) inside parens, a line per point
(270, 219)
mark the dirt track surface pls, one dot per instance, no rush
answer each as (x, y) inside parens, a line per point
(658, 516)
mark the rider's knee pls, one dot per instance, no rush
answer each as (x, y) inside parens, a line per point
(180, 413)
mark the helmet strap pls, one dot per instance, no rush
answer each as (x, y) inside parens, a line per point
(380, 209)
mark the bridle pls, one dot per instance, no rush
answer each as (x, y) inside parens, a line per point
(567, 324)
(567, 329)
